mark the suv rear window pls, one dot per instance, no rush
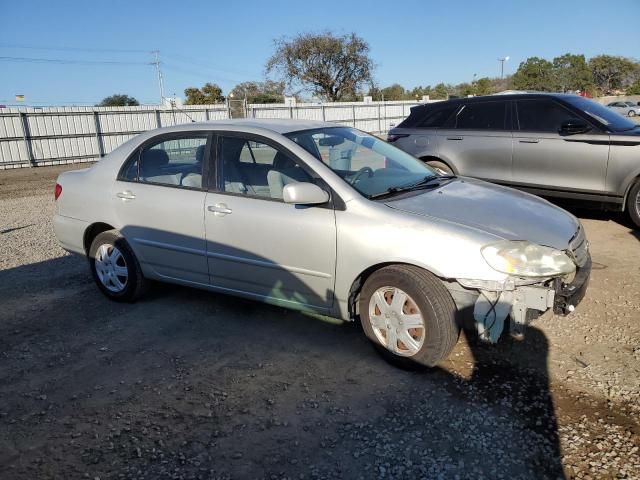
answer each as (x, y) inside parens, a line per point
(437, 117)
(482, 116)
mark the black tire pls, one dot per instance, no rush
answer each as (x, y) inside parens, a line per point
(633, 204)
(438, 310)
(631, 113)
(440, 166)
(135, 284)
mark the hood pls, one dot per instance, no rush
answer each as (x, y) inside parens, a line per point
(500, 211)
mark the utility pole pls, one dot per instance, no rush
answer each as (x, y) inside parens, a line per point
(156, 62)
(502, 60)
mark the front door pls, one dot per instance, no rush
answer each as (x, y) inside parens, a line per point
(544, 159)
(259, 246)
(159, 199)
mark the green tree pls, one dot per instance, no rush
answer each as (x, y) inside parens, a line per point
(571, 72)
(634, 88)
(331, 66)
(483, 86)
(260, 92)
(440, 92)
(119, 100)
(394, 92)
(534, 74)
(209, 94)
(612, 73)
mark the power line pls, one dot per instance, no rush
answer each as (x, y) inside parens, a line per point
(65, 61)
(72, 49)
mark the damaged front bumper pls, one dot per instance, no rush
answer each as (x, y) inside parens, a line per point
(492, 304)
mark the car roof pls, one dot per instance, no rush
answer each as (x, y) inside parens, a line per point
(499, 96)
(277, 125)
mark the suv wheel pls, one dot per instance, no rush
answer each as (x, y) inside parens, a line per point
(409, 316)
(633, 203)
(115, 268)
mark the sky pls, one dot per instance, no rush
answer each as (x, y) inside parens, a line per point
(412, 42)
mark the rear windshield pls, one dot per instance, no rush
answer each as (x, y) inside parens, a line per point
(608, 117)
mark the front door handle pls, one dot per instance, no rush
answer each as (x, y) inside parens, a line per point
(219, 209)
(454, 138)
(529, 140)
(126, 195)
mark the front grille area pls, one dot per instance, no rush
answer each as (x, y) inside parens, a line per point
(579, 247)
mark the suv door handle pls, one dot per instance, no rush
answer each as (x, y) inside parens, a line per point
(529, 140)
(454, 138)
(126, 195)
(219, 209)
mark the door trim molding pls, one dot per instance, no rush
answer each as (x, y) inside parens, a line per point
(262, 263)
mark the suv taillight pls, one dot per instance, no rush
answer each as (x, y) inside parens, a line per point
(58, 191)
(392, 137)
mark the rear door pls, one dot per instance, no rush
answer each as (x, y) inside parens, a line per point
(477, 140)
(159, 201)
(544, 159)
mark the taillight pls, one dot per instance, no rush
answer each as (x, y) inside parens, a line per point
(392, 137)
(58, 191)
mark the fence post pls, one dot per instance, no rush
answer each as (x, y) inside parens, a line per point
(158, 121)
(324, 115)
(26, 135)
(206, 114)
(353, 112)
(290, 111)
(96, 121)
(379, 119)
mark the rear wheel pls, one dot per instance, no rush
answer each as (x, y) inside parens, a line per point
(115, 268)
(440, 167)
(409, 316)
(633, 204)
(632, 113)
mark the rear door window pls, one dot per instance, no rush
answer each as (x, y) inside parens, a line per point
(482, 116)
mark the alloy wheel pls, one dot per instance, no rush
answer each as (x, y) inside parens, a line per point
(111, 268)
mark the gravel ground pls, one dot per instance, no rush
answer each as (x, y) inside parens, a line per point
(189, 384)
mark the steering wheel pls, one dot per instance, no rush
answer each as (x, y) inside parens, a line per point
(360, 173)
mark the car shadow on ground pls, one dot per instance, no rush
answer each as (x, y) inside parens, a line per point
(191, 381)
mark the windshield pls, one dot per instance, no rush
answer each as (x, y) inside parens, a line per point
(607, 116)
(369, 164)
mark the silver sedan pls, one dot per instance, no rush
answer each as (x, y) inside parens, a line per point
(328, 219)
(629, 109)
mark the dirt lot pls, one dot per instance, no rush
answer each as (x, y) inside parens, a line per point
(188, 384)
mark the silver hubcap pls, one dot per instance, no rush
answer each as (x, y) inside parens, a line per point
(111, 268)
(638, 203)
(396, 321)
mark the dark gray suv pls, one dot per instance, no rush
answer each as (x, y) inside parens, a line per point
(553, 145)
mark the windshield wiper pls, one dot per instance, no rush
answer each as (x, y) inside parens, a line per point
(424, 183)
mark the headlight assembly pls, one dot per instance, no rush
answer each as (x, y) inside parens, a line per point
(526, 259)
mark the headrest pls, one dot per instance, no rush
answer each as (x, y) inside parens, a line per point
(154, 158)
(200, 154)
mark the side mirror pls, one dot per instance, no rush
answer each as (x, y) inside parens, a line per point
(573, 127)
(304, 193)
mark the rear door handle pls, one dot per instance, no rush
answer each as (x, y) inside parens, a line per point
(454, 138)
(126, 195)
(219, 209)
(529, 140)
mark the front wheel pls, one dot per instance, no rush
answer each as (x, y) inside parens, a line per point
(633, 204)
(632, 113)
(115, 268)
(409, 316)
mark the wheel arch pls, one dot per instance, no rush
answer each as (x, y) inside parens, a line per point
(92, 232)
(635, 178)
(433, 158)
(359, 281)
